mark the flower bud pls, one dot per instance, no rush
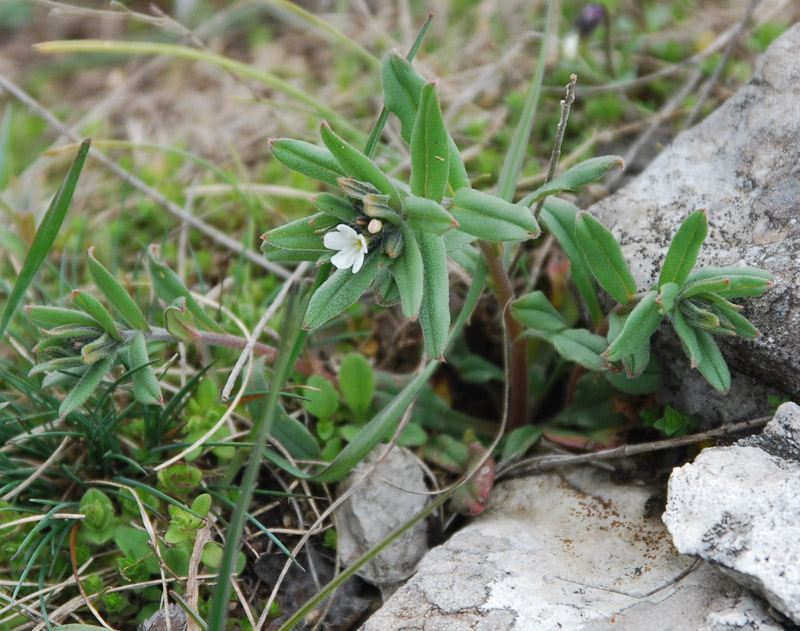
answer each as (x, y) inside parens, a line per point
(375, 226)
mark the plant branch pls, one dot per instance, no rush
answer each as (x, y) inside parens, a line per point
(518, 404)
(227, 340)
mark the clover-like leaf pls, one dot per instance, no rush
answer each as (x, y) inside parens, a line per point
(604, 257)
(683, 250)
(357, 383)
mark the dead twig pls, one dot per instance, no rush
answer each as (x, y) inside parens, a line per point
(551, 461)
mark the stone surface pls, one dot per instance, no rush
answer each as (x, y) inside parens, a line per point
(742, 164)
(739, 506)
(576, 553)
(394, 492)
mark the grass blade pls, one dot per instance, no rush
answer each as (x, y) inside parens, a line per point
(45, 235)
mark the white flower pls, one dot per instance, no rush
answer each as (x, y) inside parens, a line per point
(351, 245)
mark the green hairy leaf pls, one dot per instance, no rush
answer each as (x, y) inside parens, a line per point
(427, 215)
(712, 364)
(430, 153)
(402, 92)
(92, 306)
(582, 173)
(559, 216)
(169, 287)
(116, 294)
(357, 165)
(299, 240)
(408, 273)
(310, 160)
(640, 324)
(145, 385)
(536, 312)
(434, 314)
(86, 385)
(50, 317)
(580, 346)
(322, 400)
(683, 250)
(341, 290)
(604, 257)
(687, 335)
(743, 282)
(491, 218)
(335, 206)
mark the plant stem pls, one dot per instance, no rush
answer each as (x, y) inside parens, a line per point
(518, 364)
(302, 366)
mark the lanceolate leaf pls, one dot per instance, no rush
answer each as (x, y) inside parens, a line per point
(712, 364)
(45, 236)
(340, 291)
(604, 257)
(310, 160)
(536, 312)
(402, 91)
(335, 206)
(582, 173)
(386, 292)
(434, 314)
(682, 253)
(116, 294)
(558, 216)
(732, 317)
(743, 281)
(640, 324)
(580, 346)
(51, 317)
(145, 385)
(687, 336)
(302, 237)
(427, 215)
(92, 306)
(357, 165)
(87, 384)
(491, 218)
(169, 287)
(430, 153)
(408, 273)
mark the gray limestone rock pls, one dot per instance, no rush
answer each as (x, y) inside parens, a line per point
(571, 553)
(395, 492)
(739, 507)
(743, 165)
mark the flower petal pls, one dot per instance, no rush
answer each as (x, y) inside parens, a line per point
(343, 259)
(336, 240)
(358, 261)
